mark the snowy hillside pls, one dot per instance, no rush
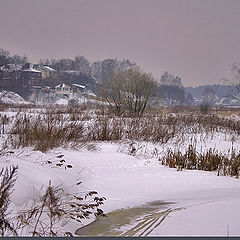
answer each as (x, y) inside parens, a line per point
(50, 98)
(12, 98)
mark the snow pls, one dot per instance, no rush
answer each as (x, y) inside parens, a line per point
(127, 181)
(219, 218)
(48, 68)
(203, 203)
(58, 98)
(62, 85)
(62, 101)
(31, 70)
(12, 98)
(78, 85)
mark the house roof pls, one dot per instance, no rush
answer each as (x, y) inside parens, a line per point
(62, 85)
(47, 68)
(78, 85)
(31, 70)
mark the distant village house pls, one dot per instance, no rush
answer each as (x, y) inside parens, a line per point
(63, 89)
(14, 77)
(45, 70)
(77, 88)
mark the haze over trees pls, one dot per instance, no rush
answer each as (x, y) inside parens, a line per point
(81, 71)
(235, 79)
(100, 70)
(171, 88)
(6, 58)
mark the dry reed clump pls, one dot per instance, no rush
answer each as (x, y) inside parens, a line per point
(50, 130)
(200, 122)
(106, 128)
(78, 113)
(4, 120)
(8, 178)
(44, 132)
(3, 107)
(50, 213)
(47, 214)
(208, 161)
(73, 126)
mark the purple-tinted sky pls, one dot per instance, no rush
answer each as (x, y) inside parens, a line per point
(196, 39)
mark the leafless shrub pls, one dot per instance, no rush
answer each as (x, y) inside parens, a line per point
(211, 160)
(44, 132)
(8, 178)
(49, 215)
(205, 108)
(3, 107)
(58, 128)
(4, 120)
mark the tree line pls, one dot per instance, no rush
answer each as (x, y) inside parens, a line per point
(6, 59)
(121, 83)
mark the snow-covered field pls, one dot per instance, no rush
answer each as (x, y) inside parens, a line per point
(212, 203)
(200, 202)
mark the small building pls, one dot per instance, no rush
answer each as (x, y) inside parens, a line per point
(77, 88)
(45, 70)
(31, 77)
(63, 89)
(14, 77)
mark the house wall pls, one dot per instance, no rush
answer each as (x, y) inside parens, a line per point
(63, 91)
(20, 82)
(45, 72)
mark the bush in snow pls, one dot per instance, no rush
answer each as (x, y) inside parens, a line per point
(50, 213)
(73, 127)
(8, 179)
(211, 160)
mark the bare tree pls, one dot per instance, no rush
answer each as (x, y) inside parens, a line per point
(171, 88)
(4, 57)
(234, 81)
(138, 89)
(128, 90)
(104, 70)
(8, 178)
(82, 64)
(112, 93)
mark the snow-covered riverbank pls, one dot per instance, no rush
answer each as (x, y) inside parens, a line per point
(210, 203)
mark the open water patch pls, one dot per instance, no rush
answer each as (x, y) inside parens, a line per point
(135, 221)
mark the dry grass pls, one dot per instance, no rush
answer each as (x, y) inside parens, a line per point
(74, 126)
(211, 160)
(50, 213)
(8, 178)
(44, 132)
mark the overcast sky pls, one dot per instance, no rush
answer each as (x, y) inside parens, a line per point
(195, 39)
